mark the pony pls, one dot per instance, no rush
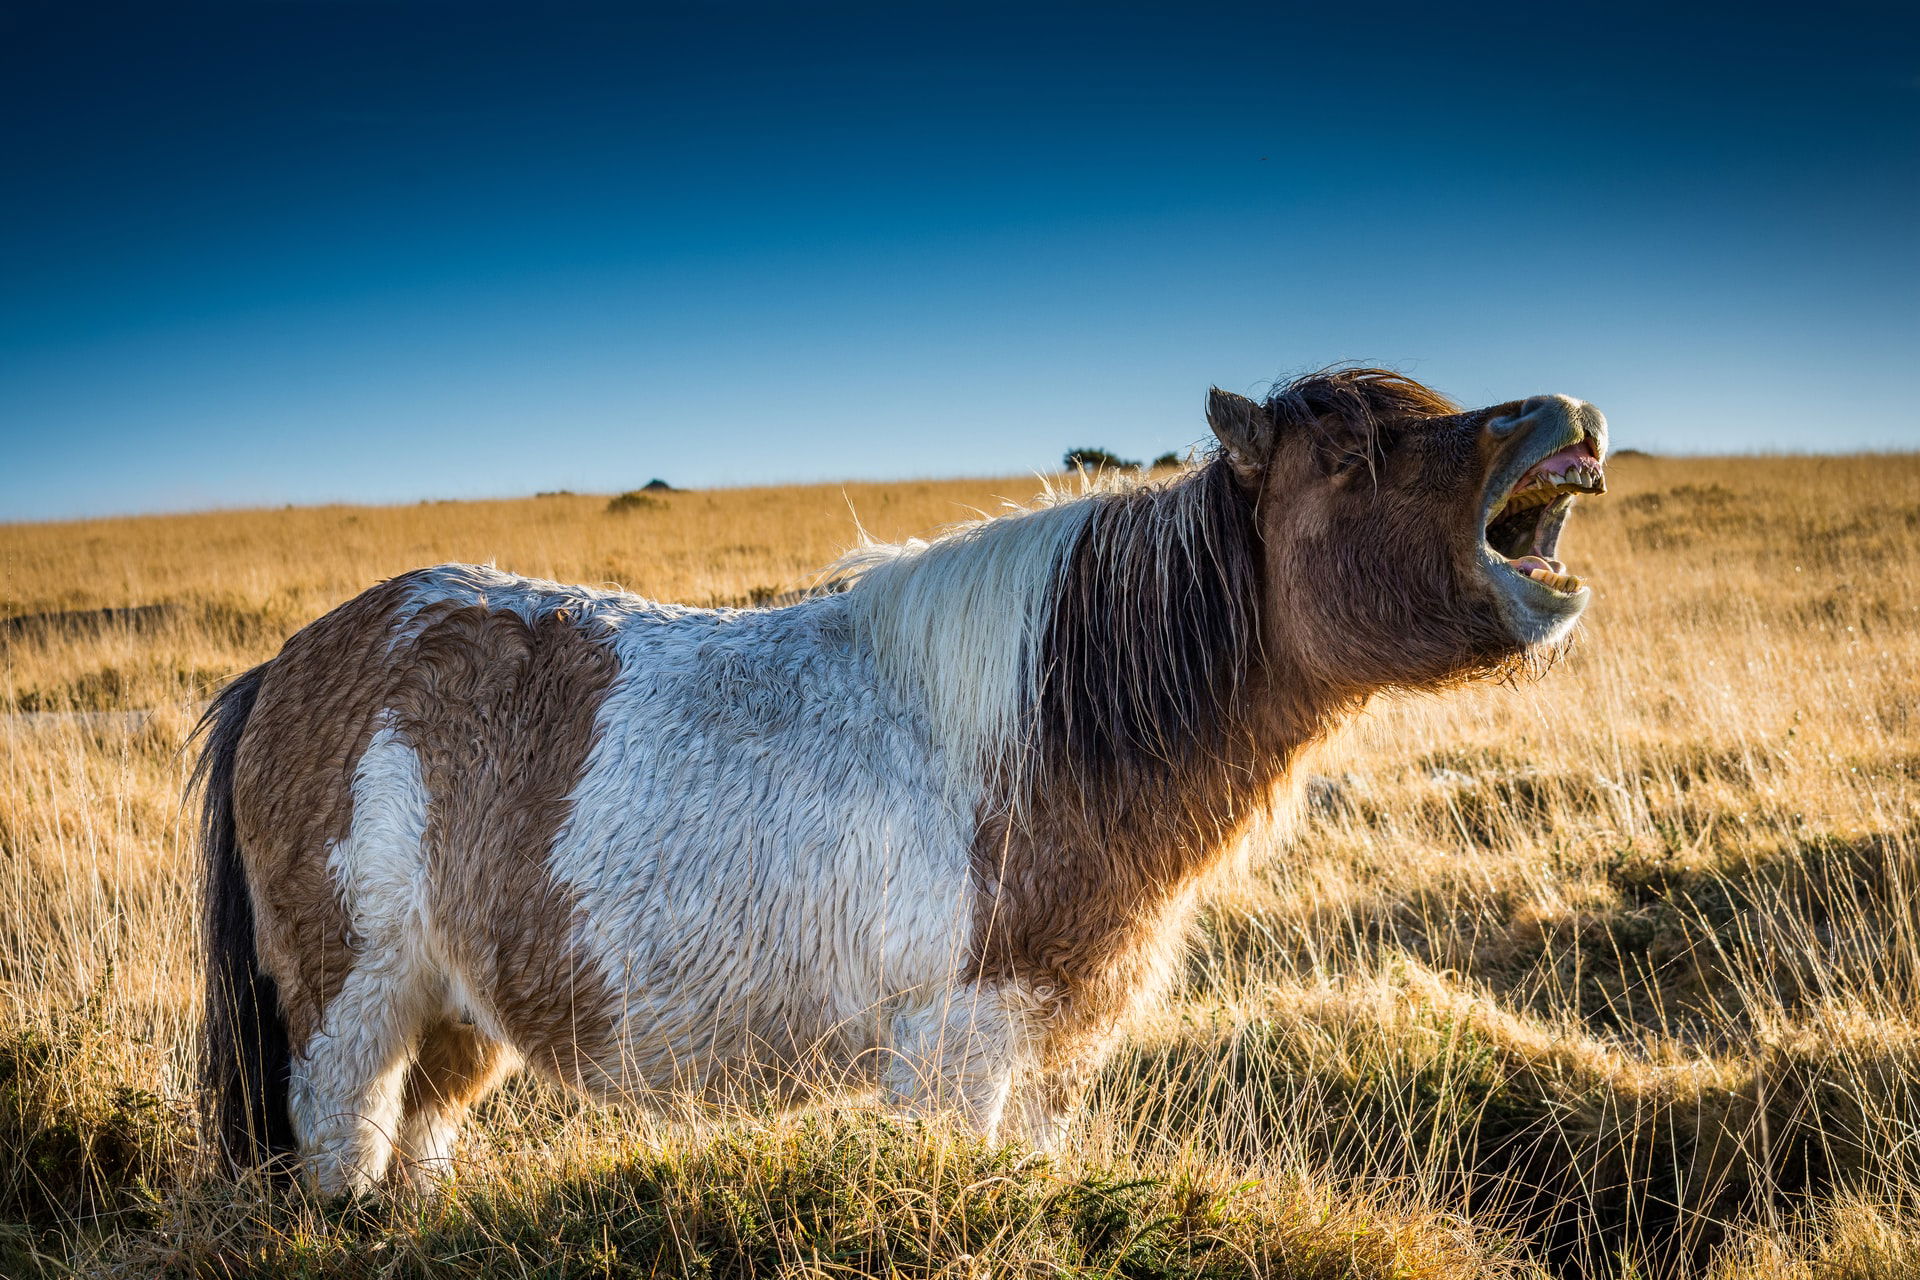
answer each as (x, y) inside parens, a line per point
(938, 834)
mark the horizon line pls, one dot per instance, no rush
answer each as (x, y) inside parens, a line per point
(12, 522)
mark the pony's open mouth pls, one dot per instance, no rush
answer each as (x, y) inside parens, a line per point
(1523, 525)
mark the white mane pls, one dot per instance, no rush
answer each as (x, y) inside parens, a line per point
(957, 622)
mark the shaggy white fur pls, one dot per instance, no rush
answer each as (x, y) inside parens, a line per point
(957, 622)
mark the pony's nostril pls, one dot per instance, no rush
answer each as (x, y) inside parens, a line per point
(1530, 409)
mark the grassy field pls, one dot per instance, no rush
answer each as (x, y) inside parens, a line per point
(1617, 973)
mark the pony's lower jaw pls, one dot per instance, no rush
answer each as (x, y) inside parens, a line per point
(1535, 612)
(1537, 598)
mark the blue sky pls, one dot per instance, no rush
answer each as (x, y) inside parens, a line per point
(303, 252)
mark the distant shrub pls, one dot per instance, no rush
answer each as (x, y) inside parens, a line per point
(1091, 459)
(631, 501)
(1166, 460)
(657, 485)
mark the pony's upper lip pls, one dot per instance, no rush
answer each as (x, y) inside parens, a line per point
(1573, 469)
(1555, 466)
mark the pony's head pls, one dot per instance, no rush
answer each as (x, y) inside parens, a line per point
(1406, 541)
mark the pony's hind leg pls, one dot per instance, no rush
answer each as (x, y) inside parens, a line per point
(346, 1083)
(455, 1066)
(345, 1087)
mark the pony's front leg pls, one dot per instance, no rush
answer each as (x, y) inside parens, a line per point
(1044, 1105)
(957, 1055)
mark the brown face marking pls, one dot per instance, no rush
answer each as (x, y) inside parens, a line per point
(319, 703)
(501, 715)
(1370, 512)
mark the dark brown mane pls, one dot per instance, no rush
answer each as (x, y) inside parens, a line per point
(1150, 750)
(1153, 640)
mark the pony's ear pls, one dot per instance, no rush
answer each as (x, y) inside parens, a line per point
(1244, 429)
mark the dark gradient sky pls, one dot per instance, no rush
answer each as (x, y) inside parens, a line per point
(295, 252)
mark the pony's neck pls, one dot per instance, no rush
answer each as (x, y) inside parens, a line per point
(1155, 686)
(1161, 728)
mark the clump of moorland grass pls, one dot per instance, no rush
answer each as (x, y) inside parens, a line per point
(1852, 1238)
(1590, 1151)
(634, 500)
(844, 1196)
(81, 1156)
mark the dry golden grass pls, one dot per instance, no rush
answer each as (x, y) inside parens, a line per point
(1618, 972)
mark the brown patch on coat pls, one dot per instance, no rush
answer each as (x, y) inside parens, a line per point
(318, 704)
(501, 715)
(1203, 634)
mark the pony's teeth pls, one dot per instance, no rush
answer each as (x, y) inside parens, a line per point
(1558, 581)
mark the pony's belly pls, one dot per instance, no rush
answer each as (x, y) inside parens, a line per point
(740, 1054)
(727, 957)
(739, 1030)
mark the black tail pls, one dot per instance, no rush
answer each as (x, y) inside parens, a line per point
(246, 1055)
